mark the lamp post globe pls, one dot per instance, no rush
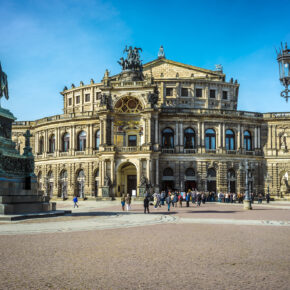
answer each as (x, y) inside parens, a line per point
(283, 58)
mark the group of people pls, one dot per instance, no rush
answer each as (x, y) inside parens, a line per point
(174, 198)
(239, 197)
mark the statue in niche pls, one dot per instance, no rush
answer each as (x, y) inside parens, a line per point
(284, 142)
(143, 180)
(107, 180)
(3, 84)
(153, 97)
(105, 101)
(284, 188)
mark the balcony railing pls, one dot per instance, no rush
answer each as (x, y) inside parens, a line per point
(168, 150)
(63, 154)
(210, 150)
(80, 152)
(129, 149)
(231, 151)
(250, 152)
(189, 151)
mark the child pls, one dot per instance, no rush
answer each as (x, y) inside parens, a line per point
(75, 200)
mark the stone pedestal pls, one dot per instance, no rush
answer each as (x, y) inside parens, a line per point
(18, 185)
(106, 191)
(142, 190)
(247, 205)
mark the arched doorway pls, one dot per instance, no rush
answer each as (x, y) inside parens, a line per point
(127, 179)
(190, 179)
(81, 178)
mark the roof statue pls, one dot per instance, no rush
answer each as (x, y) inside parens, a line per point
(132, 62)
(161, 53)
(219, 67)
(3, 84)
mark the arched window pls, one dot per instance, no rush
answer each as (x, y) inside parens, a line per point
(167, 138)
(168, 172)
(40, 145)
(65, 142)
(211, 173)
(97, 139)
(247, 141)
(52, 144)
(189, 138)
(230, 140)
(210, 139)
(231, 180)
(190, 172)
(82, 137)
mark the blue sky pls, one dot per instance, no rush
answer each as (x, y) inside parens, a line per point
(46, 45)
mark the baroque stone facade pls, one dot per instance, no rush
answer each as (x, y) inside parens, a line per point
(171, 126)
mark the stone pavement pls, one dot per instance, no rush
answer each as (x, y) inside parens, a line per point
(107, 215)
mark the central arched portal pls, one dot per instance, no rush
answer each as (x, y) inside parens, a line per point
(127, 179)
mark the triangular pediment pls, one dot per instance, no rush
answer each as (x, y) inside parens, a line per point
(171, 69)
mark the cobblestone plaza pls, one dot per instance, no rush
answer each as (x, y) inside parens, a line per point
(215, 246)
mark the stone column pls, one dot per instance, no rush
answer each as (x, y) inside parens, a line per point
(148, 169)
(181, 134)
(90, 137)
(224, 135)
(176, 134)
(198, 134)
(156, 132)
(157, 172)
(202, 134)
(241, 134)
(73, 138)
(105, 130)
(219, 143)
(255, 138)
(239, 138)
(112, 132)
(149, 131)
(259, 137)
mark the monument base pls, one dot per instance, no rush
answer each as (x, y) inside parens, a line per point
(247, 205)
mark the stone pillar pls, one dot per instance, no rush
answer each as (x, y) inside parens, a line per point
(148, 169)
(73, 138)
(181, 134)
(242, 135)
(176, 134)
(255, 138)
(157, 172)
(156, 132)
(202, 134)
(105, 131)
(259, 137)
(239, 138)
(149, 131)
(224, 135)
(90, 138)
(198, 134)
(112, 132)
(219, 139)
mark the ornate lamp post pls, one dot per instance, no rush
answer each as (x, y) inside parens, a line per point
(283, 58)
(268, 180)
(247, 199)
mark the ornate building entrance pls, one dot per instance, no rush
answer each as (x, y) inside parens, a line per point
(127, 179)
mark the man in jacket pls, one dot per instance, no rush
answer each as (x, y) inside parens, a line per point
(146, 204)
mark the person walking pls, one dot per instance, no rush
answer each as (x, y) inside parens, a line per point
(146, 204)
(198, 199)
(75, 200)
(180, 200)
(162, 197)
(168, 201)
(260, 198)
(187, 198)
(268, 197)
(128, 202)
(123, 202)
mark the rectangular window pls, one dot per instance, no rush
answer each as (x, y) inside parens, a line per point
(87, 97)
(169, 92)
(225, 95)
(132, 140)
(198, 93)
(77, 99)
(69, 101)
(212, 94)
(98, 96)
(184, 92)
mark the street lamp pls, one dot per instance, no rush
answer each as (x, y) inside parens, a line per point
(283, 58)
(247, 199)
(268, 180)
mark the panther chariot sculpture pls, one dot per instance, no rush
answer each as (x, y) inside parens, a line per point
(132, 65)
